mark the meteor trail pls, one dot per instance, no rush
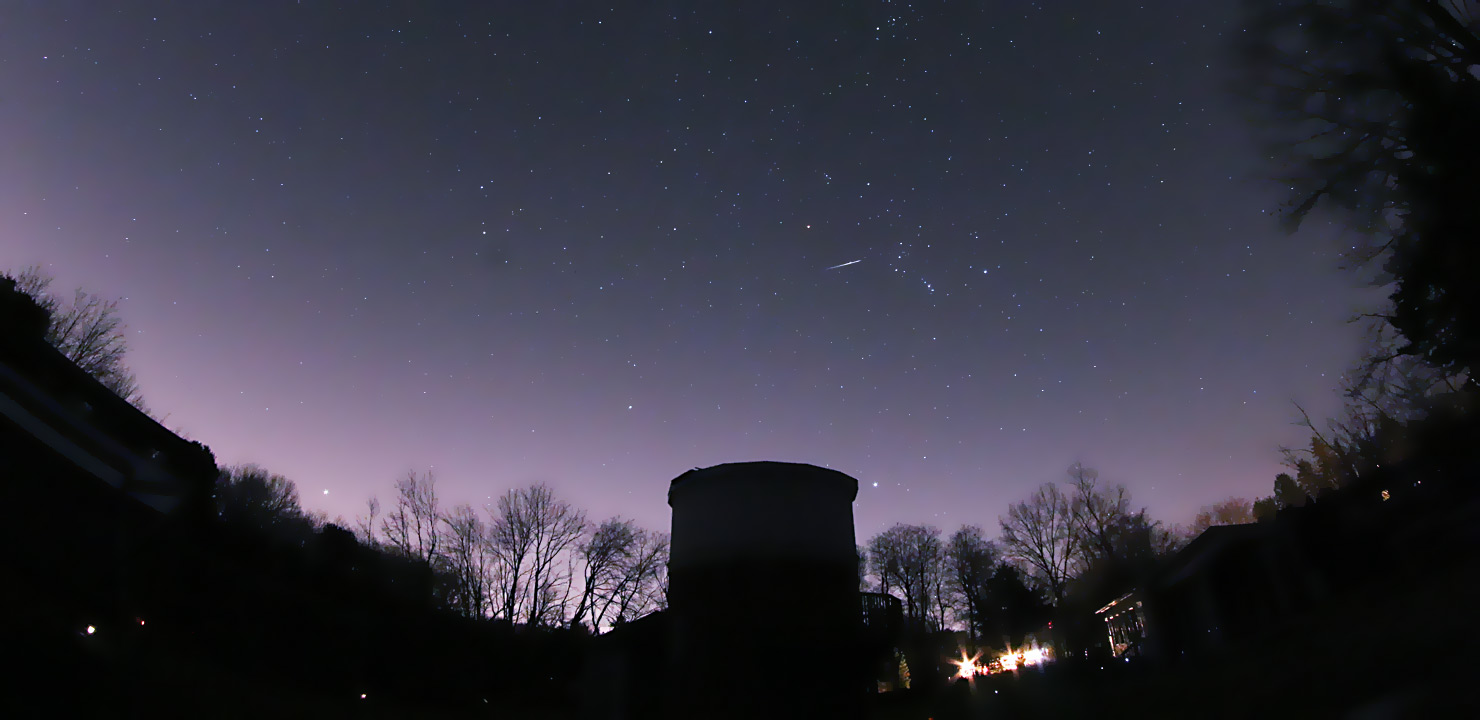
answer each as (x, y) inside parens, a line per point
(846, 264)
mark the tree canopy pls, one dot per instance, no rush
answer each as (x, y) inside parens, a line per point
(248, 496)
(87, 330)
(1369, 107)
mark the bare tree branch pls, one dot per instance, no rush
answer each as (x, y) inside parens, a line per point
(1040, 534)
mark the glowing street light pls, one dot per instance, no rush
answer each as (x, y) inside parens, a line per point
(968, 667)
(1027, 657)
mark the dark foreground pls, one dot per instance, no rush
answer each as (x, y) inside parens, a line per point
(1402, 645)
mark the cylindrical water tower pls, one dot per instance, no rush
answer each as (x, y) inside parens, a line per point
(763, 593)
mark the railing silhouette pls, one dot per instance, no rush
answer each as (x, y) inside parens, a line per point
(883, 618)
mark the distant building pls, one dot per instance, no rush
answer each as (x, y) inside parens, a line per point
(1125, 624)
(1231, 583)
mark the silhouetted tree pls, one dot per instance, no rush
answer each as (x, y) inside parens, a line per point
(557, 528)
(1371, 106)
(532, 531)
(248, 496)
(604, 555)
(1137, 545)
(1384, 395)
(467, 561)
(511, 540)
(642, 585)
(1230, 511)
(1287, 492)
(970, 560)
(1316, 478)
(412, 528)
(1041, 534)
(908, 558)
(1139, 540)
(365, 528)
(1098, 513)
(1387, 386)
(87, 331)
(1331, 459)
(1010, 609)
(883, 557)
(1265, 509)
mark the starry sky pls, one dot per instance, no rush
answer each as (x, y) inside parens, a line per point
(947, 247)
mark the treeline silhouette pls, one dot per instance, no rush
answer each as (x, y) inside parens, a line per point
(148, 578)
(240, 601)
(530, 558)
(1352, 594)
(214, 615)
(1351, 578)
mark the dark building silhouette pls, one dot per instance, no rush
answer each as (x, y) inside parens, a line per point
(90, 481)
(765, 619)
(626, 671)
(61, 419)
(1235, 584)
(763, 597)
(92, 487)
(1231, 583)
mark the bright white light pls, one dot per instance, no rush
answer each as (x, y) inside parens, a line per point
(967, 667)
(91, 629)
(1027, 656)
(362, 696)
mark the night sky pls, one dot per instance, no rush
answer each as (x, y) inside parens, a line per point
(948, 248)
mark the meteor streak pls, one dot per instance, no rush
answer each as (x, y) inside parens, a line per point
(846, 264)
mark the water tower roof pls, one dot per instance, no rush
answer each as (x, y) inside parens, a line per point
(767, 470)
